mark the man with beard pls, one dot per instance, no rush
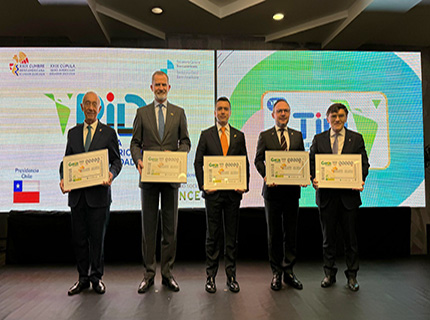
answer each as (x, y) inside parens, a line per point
(281, 202)
(159, 126)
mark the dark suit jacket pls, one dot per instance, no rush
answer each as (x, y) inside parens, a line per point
(146, 137)
(354, 144)
(104, 138)
(268, 140)
(210, 145)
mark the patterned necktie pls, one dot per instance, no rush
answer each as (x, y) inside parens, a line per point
(224, 142)
(88, 139)
(160, 121)
(335, 148)
(283, 140)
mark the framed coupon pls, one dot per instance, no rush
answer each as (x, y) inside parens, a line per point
(163, 166)
(224, 173)
(85, 169)
(287, 168)
(338, 171)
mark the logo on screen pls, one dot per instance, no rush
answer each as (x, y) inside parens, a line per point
(169, 66)
(368, 115)
(18, 60)
(63, 110)
(113, 110)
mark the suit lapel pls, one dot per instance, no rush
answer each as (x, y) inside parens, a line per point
(152, 119)
(97, 134)
(81, 137)
(233, 137)
(275, 139)
(170, 113)
(215, 139)
(347, 143)
(327, 143)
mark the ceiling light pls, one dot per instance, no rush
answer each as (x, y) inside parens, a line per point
(278, 16)
(157, 10)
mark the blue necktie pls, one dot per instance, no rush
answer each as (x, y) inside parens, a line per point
(160, 121)
(88, 139)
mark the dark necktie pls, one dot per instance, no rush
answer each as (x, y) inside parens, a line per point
(160, 121)
(88, 139)
(283, 140)
(335, 144)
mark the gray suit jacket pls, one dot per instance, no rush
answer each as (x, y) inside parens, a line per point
(268, 140)
(145, 133)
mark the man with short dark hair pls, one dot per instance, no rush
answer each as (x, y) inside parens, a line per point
(222, 206)
(159, 126)
(281, 202)
(339, 206)
(90, 206)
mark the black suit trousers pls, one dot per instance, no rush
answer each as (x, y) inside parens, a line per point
(331, 215)
(281, 219)
(222, 216)
(88, 232)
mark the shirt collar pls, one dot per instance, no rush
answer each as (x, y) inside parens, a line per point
(227, 127)
(341, 132)
(92, 125)
(279, 128)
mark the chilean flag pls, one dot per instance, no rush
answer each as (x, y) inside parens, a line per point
(26, 191)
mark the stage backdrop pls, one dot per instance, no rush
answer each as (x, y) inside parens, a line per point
(382, 91)
(41, 90)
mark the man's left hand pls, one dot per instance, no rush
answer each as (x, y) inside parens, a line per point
(109, 182)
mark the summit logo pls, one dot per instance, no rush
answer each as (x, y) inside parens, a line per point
(18, 60)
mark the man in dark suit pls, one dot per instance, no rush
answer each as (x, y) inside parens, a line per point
(222, 207)
(339, 206)
(90, 206)
(159, 126)
(281, 202)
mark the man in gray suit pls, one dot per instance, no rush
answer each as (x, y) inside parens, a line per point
(281, 202)
(159, 126)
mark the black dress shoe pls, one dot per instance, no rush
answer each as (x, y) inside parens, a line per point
(99, 287)
(328, 281)
(78, 287)
(145, 285)
(210, 285)
(276, 283)
(232, 284)
(353, 284)
(292, 281)
(170, 283)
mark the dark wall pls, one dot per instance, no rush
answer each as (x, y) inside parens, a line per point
(35, 237)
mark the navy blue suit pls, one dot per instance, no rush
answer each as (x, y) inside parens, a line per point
(339, 205)
(222, 207)
(281, 204)
(90, 206)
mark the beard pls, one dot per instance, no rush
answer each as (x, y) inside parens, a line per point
(160, 96)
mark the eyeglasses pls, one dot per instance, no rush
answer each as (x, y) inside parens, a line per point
(88, 103)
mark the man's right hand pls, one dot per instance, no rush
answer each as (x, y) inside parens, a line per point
(62, 187)
(140, 166)
(269, 185)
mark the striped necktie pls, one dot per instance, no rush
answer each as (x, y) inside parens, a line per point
(284, 145)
